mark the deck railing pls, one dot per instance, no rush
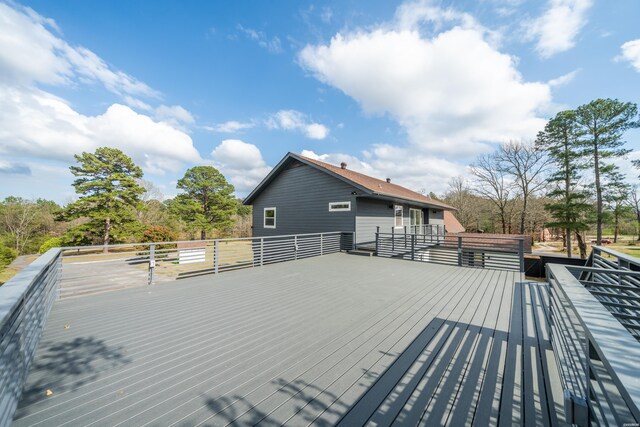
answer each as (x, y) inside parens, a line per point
(432, 233)
(593, 325)
(89, 269)
(25, 303)
(503, 253)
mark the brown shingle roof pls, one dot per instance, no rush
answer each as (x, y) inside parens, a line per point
(375, 185)
(451, 223)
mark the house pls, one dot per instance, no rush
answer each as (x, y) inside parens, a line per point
(303, 195)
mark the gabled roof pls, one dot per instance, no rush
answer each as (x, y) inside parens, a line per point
(367, 184)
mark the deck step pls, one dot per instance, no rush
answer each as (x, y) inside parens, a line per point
(361, 252)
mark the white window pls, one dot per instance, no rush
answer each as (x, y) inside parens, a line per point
(269, 217)
(399, 222)
(339, 206)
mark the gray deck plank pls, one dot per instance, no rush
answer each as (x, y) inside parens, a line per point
(297, 343)
(465, 403)
(396, 399)
(511, 412)
(448, 372)
(392, 363)
(534, 388)
(352, 367)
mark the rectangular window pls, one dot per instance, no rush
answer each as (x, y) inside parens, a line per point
(269, 217)
(339, 206)
(399, 222)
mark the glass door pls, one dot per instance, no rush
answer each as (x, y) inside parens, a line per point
(416, 218)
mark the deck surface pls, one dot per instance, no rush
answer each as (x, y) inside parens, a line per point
(338, 339)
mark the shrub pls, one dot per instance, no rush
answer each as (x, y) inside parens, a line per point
(54, 242)
(7, 255)
(159, 233)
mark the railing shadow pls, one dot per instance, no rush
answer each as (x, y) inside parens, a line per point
(452, 373)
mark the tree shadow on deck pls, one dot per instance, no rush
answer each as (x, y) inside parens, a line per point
(64, 366)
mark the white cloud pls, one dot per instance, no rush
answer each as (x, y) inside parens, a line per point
(174, 115)
(40, 125)
(36, 124)
(272, 45)
(31, 52)
(631, 53)
(416, 171)
(296, 121)
(241, 163)
(564, 79)
(232, 126)
(556, 29)
(136, 103)
(452, 92)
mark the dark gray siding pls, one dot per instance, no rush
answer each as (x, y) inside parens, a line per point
(371, 214)
(436, 216)
(374, 213)
(301, 196)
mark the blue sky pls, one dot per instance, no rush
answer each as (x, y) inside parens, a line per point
(413, 91)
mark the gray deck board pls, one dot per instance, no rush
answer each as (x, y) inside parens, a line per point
(327, 340)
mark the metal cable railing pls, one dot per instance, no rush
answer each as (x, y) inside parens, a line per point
(593, 325)
(503, 253)
(89, 269)
(25, 303)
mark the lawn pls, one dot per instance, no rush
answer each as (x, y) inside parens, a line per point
(7, 273)
(626, 245)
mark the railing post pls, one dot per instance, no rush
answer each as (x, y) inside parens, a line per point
(216, 256)
(152, 263)
(413, 247)
(405, 237)
(460, 250)
(393, 240)
(521, 254)
(295, 247)
(321, 244)
(377, 238)
(261, 251)
(353, 240)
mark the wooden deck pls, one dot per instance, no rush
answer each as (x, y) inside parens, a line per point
(338, 339)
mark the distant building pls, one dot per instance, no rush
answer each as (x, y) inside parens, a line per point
(303, 195)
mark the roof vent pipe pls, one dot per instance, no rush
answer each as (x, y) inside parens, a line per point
(388, 180)
(343, 165)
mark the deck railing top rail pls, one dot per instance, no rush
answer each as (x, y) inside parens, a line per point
(598, 357)
(25, 303)
(89, 270)
(624, 260)
(204, 242)
(466, 251)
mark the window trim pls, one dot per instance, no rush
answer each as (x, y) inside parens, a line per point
(264, 217)
(395, 217)
(348, 209)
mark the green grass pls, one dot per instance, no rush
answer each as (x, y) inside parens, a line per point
(6, 273)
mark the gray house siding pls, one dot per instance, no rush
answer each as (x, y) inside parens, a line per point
(436, 216)
(301, 196)
(372, 213)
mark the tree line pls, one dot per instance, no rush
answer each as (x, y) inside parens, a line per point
(116, 205)
(564, 180)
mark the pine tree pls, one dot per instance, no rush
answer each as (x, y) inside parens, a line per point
(207, 201)
(603, 123)
(560, 139)
(108, 185)
(616, 195)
